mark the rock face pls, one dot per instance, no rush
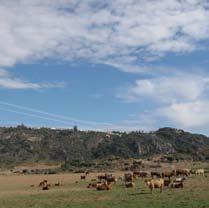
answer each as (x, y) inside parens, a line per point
(22, 144)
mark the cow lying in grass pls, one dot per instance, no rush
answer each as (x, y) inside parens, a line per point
(103, 186)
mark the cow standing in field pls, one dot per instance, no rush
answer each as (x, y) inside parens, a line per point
(155, 183)
(167, 174)
(184, 172)
(111, 179)
(128, 177)
(83, 177)
(167, 182)
(43, 183)
(200, 172)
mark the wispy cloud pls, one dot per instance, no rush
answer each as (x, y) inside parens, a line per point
(167, 89)
(8, 81)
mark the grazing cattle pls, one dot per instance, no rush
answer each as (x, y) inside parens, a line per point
(102, 177)
(43, 183)
(200, 172)
(128, 177)
(142, 174)
(167, 182)
(129, 184)
(111, 179)
(46, 187)
(184, 172)
(92, 185)
(83, 177)
(57, 184)
(136, 173)
(87, 173)
(157, 174)
(179, 180)
(177, 185)
(104, 186)
(167, 174)
(155, 183)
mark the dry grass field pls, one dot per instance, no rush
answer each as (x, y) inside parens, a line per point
(16, 192)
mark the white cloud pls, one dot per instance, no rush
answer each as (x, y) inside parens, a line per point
(14, 83)
(180, 100)
(100, 31)
(185, 87)
(189, 115)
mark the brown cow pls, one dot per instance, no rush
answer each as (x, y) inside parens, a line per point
(111, 179)
(184, 172)
(43, 183)
(167, 182)
(104, 186)
(57, 184)
(128, 177)
(142, 174)
(92, 185)
(83, 177)
(155, 183)
(102, 177)
(46, 187)
(157, 174)
(167, 174)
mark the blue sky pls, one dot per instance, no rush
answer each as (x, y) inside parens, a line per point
(122, 65)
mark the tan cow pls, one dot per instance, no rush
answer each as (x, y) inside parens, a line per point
(155, 183)
(200, 172)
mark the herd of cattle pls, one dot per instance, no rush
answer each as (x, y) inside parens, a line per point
(153, 179)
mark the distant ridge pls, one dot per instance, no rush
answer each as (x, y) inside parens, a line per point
(23, 144)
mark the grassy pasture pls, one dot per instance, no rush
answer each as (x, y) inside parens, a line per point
(15, 192)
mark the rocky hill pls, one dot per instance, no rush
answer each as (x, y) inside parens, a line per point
(22, 144)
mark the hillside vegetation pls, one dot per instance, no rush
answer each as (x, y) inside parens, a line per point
(22, 144)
